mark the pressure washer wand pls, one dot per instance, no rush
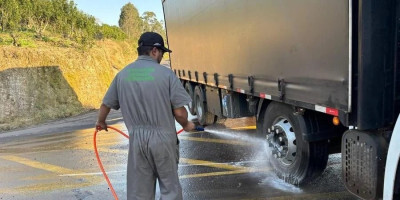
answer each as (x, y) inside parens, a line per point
(198, 128)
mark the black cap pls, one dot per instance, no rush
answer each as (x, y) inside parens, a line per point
(152, 39)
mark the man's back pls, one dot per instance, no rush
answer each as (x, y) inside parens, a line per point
(147, 92)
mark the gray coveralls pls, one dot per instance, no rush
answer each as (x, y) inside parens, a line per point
(147, 92)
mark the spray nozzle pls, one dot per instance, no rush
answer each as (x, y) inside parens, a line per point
(199, 128)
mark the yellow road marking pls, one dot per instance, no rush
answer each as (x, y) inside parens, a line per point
(211, 174)
(105, 150)
(235, 169)
(211, 164)
(50, 168)
(46, 187)
(249, 170)
(184, 160)
(7, 191)
(244, 128)
(213, 140)
(119, 151)
(84, 135)
(39, 165)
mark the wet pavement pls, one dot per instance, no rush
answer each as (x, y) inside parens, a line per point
(56, 161)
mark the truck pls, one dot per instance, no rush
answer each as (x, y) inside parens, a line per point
(392, 168)
(319, 76)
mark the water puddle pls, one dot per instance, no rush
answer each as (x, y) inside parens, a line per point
(273, 181)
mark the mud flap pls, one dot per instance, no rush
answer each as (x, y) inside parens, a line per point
(363, 163)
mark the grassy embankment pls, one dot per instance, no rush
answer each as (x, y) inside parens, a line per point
(54, 78)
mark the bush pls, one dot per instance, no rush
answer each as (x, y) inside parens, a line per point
(111, 32)
(5, 39)
(27, 43)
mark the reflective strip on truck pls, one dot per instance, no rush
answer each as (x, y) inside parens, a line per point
(240, 90)
(265, 96)
(326, 110)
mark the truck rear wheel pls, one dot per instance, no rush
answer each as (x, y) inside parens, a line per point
(204, 117)
(294, 160)
(190, 90)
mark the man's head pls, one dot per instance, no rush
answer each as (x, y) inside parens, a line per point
(152, 44)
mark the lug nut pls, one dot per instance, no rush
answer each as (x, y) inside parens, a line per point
(281, 148)
(279, 154)
(273, 128)
(275, 155)
(280, 139)
(269, 130)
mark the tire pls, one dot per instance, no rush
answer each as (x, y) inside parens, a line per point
(204, 117)
(190, 90)
(293, 159)
(220, 120)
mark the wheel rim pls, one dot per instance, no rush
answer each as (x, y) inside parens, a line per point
(199, 109)
(282, 139)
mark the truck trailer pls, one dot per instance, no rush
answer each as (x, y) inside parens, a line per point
(320, 76)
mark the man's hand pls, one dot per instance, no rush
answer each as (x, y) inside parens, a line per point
(101, 126)
(101, 120)
(189, 126)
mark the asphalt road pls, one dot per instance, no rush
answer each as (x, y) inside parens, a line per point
(56, 161)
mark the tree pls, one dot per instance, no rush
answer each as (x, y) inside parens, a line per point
(130, 21)
(10, 14)
(72, 19)
(26, 7)
(43, 10)
(60, 17)
(10, 18)
(150, 23)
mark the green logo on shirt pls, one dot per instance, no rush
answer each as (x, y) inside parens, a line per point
(140, 74)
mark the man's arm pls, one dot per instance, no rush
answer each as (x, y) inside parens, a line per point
(181, 116)
(101, 120)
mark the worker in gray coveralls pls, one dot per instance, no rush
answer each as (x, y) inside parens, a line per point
(151, 97)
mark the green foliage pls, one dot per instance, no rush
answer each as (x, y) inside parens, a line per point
(111, 32)
(130, 21)
(5, 39)
(47, 18)
(27, 43)
(150, 23)
(10, 14)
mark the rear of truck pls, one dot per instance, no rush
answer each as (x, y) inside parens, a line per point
(296, 66)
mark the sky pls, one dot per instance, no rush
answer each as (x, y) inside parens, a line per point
(108, 11)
